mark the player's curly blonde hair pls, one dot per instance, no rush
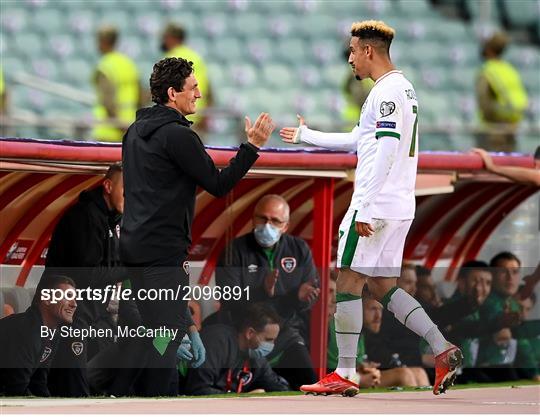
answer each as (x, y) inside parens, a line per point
(375, 31)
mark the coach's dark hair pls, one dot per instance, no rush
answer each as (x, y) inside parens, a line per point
(255, 315)
(537, 153)
(470, 266)
(503, 256)
(376, 32)
(169, 72)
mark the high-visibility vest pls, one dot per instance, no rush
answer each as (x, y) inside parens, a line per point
(123, 74)
(200, 72)
(1, 82)
(509, 92)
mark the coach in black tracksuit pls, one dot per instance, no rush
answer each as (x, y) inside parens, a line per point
(84, 246)
(26, 353)
(164, 162)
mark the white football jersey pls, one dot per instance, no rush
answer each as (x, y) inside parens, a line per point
(390, 111)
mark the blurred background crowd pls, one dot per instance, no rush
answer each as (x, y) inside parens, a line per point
(80, 69)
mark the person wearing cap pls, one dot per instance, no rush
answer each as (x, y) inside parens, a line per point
(173, 45)
(502, 99)
(116, 80)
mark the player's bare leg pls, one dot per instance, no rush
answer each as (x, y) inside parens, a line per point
(409, 312)
(348, 320)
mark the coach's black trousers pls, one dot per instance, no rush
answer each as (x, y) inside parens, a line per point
(149, 364)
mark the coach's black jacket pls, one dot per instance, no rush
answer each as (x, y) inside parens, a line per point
(85, 247)
(164, 161)
(224, 361)
(24, 355)
(243, 263)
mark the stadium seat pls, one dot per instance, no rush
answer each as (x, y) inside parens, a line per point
(522, 12)
(276, 75)
(248, 25)
(62, 45)
(48, 20)
(13, 20)
(242, 75)
(30, 44)
(291, 51)
(227, 49)
(82, 21)
(416, 9)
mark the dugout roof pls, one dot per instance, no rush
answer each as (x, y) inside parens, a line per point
(458, 204)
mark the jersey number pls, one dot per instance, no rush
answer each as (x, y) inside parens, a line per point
(413, 141)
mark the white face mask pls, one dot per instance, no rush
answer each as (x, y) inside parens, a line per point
(266, 235)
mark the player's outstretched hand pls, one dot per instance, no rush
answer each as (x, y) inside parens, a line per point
(486, 157)
(308, 293)
(364, 229)
(270, 282)
(258, 133)
(291, 134)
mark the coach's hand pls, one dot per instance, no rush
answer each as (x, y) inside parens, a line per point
(308, 293)
(197, 346)
(270, 282)
(259, 133)
(364, 229)
(291, 134)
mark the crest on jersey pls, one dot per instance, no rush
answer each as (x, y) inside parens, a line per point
(387, 108)
(244, 377)
(77, 348)
(46, 353)
(288, 264)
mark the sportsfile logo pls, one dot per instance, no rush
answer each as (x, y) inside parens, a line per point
(112, 292)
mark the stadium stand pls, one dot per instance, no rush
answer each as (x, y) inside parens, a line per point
(281, 57)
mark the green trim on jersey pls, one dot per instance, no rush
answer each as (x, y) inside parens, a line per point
(382, 133)
(350, 243)
(345, 296)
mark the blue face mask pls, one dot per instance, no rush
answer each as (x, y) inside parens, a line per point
(266, 235)
(262, 351)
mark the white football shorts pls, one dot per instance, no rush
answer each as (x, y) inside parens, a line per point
(379, 255)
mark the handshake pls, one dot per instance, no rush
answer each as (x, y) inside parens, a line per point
(259, 132)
